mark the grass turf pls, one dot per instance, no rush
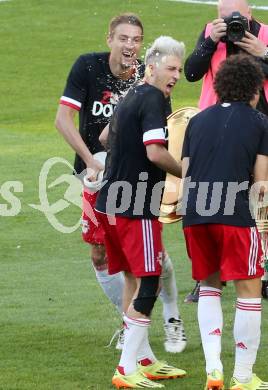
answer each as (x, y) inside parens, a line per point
(55, 321)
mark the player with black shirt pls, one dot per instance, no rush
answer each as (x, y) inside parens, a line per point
(210, 50)
(128, 206)
(224, 146)
(95, 84)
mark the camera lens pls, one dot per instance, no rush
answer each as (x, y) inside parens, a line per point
(235, 31)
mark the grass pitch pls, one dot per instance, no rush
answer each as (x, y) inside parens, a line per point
(55, 321)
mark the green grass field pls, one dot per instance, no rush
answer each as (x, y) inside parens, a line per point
(55, 321)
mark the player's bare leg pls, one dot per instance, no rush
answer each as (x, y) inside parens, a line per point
(130, 288)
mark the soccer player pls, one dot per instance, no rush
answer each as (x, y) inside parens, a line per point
(94, 86)
(225, 148)
(212, 47)
(128, 206)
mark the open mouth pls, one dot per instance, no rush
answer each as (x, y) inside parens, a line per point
(169, 87)
(129, 55)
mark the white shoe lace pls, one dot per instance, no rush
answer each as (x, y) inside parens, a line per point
(119, 333)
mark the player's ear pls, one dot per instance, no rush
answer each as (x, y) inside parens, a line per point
(109, 39)
(151, 69)
(147, 71)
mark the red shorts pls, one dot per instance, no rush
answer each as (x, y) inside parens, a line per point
(133, 245)
(92, 231)
(233, 251)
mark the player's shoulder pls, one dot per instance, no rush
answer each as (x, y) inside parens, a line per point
(94, 58)
(149, 91)
(91, 65)
(206, 113)
(259, 118)
(208, 116)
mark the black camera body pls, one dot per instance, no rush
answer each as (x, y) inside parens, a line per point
(237, 25)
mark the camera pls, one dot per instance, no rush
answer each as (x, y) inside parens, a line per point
(237, 25)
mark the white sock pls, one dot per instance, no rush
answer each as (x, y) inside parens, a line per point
(112, 286)
(169, 293)
(247, 333)
(135, 330)
(145, 354)
(210, 321)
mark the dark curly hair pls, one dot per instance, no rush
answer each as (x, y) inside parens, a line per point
(239, 78)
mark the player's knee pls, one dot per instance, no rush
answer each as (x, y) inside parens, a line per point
(98, 256)
(147, 295)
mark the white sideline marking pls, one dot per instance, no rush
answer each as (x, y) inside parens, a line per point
(261, 7)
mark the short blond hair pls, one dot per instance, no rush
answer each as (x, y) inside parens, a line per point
(164, 46)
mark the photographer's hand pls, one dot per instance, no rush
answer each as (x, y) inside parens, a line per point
(252, 45)
(218, 30)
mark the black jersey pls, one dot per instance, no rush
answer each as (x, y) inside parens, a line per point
(94, 91)
(132, 184)
(222, 143)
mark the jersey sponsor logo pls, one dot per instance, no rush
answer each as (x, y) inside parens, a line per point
(105, 106)
(106, 97)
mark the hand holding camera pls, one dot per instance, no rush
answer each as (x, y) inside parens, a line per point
(235, 28)
(230, 29)
(252, 45)
(218, 30)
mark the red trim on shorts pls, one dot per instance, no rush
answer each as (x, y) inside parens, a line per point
(148, 244)
(253, 253)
